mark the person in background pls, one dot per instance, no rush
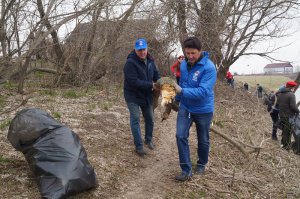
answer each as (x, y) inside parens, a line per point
(175, 68)
(274, 112)
(229, 78)
(286, 103)
(140, 75)
(232, 82)
(259, 91)
(196, 95)
(246, 86)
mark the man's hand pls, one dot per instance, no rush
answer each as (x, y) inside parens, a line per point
(177, 87)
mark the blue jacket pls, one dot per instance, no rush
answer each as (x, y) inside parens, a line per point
(138, 79)
(197, 95)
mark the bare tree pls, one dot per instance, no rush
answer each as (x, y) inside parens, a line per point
(230, 28)
(39, 36)
(259, 21)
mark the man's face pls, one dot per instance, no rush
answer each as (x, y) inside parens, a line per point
(293, 88)
(142, 53)
(192, 54)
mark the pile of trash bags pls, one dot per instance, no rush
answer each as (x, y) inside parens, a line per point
(54, 153)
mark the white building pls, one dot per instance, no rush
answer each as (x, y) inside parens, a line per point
(279, 68)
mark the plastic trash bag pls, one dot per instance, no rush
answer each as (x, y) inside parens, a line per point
(28, 125)
(54, 153)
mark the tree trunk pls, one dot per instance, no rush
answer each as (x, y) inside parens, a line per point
(85, 61)
(3, 29)
(209, 30)
(22, 74)
(57, 47)
(181, 17)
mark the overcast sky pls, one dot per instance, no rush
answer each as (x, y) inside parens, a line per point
(291, 53)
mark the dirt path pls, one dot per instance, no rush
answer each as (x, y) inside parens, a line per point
(155, 178)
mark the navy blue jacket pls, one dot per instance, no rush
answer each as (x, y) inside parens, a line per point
(197, 95)
(138, 79)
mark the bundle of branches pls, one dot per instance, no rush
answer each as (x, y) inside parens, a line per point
(168, 94)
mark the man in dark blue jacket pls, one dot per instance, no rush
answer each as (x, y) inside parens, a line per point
(196, 95)
(140, 75)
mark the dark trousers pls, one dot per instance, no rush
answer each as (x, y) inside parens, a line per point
(259, 94)
(275, 116)
(296, 144)
(287, 131)
(177, 79)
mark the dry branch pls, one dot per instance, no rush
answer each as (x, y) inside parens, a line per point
(45, 70)
(24, 101)
(237, 145)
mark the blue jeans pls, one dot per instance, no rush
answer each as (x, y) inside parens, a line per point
(184, 122)
(147, 111)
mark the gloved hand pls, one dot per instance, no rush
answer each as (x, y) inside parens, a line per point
(177, 87)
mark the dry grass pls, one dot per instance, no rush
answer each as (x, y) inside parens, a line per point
(272, 82)
(269, 172)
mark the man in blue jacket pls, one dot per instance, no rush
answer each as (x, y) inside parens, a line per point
(196, 95)
(140, 75)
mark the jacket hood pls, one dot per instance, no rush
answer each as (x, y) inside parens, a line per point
(284, 90)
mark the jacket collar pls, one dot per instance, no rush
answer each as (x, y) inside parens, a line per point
(201, 61)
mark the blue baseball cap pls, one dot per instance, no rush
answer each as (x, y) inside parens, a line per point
(140, 44)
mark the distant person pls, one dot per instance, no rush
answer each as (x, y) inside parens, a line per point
(196, 95)
(259, 91)
(140, 73)
(246, 86)
(274, 112)
(286, 102)
(232, 82)
(229, 78)
(175, 68)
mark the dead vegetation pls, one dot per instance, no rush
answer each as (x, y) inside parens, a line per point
(245, 163)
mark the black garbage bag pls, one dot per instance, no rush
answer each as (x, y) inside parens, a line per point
(53, 152)
(28, 125)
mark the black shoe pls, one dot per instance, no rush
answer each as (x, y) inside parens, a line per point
(141, 152)
(183, 177)
(199, 170)
(150, 145)
(274, 137)
(286, 147)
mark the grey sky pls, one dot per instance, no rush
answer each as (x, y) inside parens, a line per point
(291, 53)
